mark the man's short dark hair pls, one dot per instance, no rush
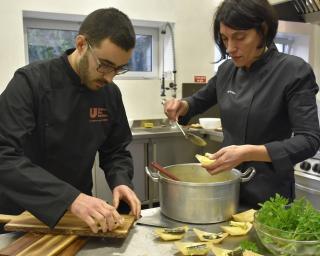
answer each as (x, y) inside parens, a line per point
(109, 23)
(243, 15)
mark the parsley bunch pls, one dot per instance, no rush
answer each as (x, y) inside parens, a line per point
(299, 219)
(248, 245)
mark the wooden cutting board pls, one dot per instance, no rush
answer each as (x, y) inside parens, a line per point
(69, 224)
(44, 244)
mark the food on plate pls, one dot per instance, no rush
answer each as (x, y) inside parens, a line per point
(220, 251)
(247, 216)
(236, 252)
(236, 228)
(204, 160)
(148, 125)
(208, 154)
(193, 248)
(214, 238)
(169, 234)
(196, 126)
(250, 253)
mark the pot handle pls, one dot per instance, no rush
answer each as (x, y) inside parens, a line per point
(251, 171)
(152, 175)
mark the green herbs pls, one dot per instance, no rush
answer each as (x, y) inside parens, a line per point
(248, 245)
(244, 245)
(299, 220)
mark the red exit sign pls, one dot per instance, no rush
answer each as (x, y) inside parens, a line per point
(200, 79)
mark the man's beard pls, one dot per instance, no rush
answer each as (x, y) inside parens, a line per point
(86, 79)
(83, 68)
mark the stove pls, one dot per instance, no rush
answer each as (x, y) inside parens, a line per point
(310, 166)
(307, 176)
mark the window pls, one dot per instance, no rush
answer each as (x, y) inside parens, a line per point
(48, 35)
(217, 55)
(144, 62)
(142, 56)
(294, 44)
(47, 39)
(283, 44)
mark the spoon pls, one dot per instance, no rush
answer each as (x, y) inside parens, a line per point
(164, 171)
(195, 139)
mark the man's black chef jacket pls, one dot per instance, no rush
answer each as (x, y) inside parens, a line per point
(265, 105)
(51, 127)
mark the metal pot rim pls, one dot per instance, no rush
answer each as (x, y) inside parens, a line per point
(196, 184)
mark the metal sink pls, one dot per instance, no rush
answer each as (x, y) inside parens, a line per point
(159, 126)
(155, 129)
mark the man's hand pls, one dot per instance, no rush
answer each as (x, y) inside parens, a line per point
(96, 213)
(123, 192)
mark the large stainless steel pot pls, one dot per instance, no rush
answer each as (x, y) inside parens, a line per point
(199, 197)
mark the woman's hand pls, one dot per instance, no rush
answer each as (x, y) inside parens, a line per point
(174, 108)
(231, 156)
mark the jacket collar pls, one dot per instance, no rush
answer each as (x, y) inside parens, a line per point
(263, 59)
(73, 75)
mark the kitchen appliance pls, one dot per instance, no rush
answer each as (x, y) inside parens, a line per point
(299, 10)
(199, 197)
(307, 176)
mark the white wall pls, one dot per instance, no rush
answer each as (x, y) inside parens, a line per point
(194, 44)
(194, 47)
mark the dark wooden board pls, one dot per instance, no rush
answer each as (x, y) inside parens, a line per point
(73, 248)
(44, 244)
(20, 244)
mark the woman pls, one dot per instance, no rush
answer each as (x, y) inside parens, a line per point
(266, 100)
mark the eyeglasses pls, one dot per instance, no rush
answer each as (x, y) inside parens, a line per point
(105, 68)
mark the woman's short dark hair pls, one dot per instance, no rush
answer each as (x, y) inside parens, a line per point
(109, 23)
(243, 15)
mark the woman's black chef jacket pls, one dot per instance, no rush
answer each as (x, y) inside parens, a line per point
(51, 127)
(265, 105)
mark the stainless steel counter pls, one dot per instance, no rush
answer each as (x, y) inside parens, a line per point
(212, 134)
(141, 240)
(145, 133)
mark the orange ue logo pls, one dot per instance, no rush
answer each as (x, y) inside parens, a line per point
(98, 114)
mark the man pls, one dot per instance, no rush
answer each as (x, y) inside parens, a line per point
(55, 115)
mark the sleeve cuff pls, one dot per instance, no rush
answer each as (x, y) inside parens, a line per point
(58, 208)
(116, 180)
(279, 157)
(185, 119)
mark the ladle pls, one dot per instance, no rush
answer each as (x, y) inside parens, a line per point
(195, 139)
(164, 171)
